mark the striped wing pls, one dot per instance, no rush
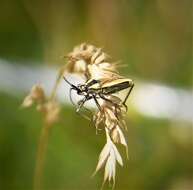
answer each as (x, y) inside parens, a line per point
(116, 86)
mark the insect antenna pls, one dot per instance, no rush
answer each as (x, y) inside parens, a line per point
(73, 86)
(70, 95)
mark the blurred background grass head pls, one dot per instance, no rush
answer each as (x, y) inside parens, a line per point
(152, 38)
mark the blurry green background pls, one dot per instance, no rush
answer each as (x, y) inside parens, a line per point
(153, 38)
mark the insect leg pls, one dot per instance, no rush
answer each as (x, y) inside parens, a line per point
(97, 103)
(131, 87)
(84, 116)
(81, 104)
(114, 104)
(106, 99)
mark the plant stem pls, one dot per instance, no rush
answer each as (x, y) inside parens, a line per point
(58, 80)
(44, 136)
(40, 159)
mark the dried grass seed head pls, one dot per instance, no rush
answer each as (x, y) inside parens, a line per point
(90, 61)
(108, 158)
(49, 108)
(36, 95)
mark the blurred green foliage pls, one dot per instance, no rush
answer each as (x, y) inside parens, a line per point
(157, 157)
(153, 38)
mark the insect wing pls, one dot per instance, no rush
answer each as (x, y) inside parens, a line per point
(115, 86)
(116, 82)
(94, 84)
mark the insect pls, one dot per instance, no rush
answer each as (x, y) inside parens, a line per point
(95, 90)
